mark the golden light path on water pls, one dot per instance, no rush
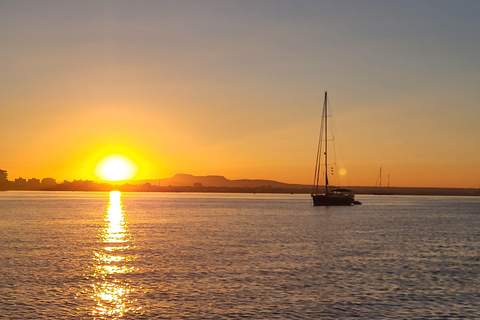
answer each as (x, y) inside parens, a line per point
(112, 262)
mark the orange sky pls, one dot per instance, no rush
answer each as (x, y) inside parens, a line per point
(236, 88)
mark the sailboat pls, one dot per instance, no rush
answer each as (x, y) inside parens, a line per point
(378, 185)
(330, 197)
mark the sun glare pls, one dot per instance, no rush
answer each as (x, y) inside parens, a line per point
(116, 167)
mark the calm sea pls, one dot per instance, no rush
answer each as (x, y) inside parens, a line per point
(74, 255)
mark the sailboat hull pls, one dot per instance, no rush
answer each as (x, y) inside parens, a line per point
(333, 200)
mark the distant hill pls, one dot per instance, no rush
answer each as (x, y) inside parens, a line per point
(182, 180)
(206, 183)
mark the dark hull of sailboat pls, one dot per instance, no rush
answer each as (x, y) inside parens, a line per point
(333, 200)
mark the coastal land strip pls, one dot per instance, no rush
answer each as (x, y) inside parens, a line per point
(191, 183)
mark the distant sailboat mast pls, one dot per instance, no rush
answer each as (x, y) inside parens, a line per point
(378, 184)
(380, 177)
(326, 144)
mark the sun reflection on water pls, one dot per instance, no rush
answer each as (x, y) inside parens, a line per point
(112, 262)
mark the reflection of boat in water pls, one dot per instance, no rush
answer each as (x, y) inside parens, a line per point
(378, 185)
(333, 197)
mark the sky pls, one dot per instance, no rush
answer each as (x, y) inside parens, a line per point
(235, 88)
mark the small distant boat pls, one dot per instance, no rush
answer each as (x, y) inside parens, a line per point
(378, 185)
(333, 197)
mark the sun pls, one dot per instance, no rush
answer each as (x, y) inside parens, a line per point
(116, 167)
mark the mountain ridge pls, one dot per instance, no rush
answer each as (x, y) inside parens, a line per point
(183, 179)
(203, 183)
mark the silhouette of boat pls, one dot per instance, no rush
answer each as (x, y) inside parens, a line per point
(331, 197)
(378, 185)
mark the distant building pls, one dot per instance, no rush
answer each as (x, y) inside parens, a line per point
(3, 176)
(33, 183)
(89, 185)
(197, 185)
(20, 182)
(48, 182)
(3, 180)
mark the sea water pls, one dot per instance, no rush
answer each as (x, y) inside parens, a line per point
(76, 255)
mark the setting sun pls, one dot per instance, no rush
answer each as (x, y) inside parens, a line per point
(116, 167)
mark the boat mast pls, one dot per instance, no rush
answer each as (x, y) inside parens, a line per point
(380, 177)
(318, 162)
(326, 164)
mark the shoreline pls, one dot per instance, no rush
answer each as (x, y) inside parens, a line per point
(358, 190)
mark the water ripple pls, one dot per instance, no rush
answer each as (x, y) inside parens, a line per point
(155, 256)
